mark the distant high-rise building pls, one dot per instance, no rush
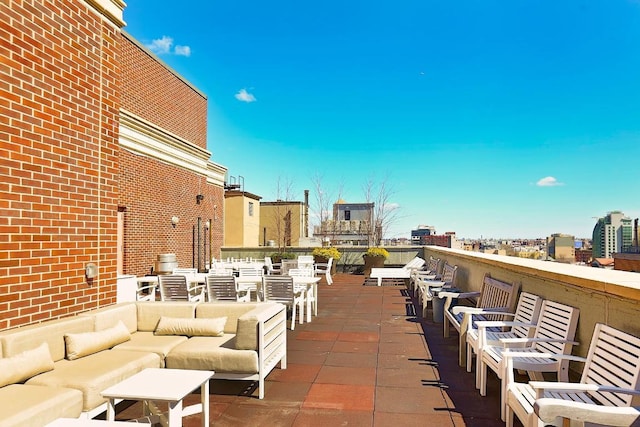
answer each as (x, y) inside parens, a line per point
(612, 233)
(422, 230)
(562, 247)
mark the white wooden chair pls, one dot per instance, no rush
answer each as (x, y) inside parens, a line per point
(271, 267)
(610, 380)
(554, 334)
(306, 262)
(431, 271)
(176, 287)
(523, 323)
(425, 284)
(224, 288)
(494, 295)
(324, 269)
(310, 296)
(182, 270)
(280, 289)
(250, 279)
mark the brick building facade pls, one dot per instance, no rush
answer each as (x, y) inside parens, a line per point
(94, 157)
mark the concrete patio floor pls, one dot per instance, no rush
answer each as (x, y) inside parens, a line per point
(365, 360)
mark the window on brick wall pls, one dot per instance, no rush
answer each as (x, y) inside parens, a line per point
(250, 208)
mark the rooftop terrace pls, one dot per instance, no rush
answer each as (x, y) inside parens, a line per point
(366, 360)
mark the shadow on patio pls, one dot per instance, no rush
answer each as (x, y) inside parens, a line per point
(366, 360)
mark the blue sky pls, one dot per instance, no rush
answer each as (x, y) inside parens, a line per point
(500, 119)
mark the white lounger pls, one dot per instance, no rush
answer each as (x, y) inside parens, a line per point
(403, 272)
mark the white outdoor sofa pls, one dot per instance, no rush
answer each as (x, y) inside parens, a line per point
(57, 369)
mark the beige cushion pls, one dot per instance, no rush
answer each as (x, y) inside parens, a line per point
(213, 354)
(147, 341)
(32, 405)
(84, 344)
(213, 327)
(96, 372)
(25, 365)
(231, 310)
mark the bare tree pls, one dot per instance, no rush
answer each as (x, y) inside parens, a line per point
(282, 213)
(384, 212)
(324, 206)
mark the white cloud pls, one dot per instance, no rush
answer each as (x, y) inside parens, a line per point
(163, 46)
(548, 181)
(245, 96)
(182, 50)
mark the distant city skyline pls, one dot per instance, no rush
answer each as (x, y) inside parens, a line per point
(499, 119)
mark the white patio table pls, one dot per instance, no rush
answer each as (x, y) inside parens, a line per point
(166, 385)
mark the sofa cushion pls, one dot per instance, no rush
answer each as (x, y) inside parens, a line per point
(213, 327)
(94, 373)
(231, 310)
(31, 405)
(84, 344)
(52, 332)
(147, 341)
(150, 312)
(213, 353)
(25, 365)
(107, 317)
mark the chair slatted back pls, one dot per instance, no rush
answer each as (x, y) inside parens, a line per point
(557, 322)
(449, 274)
(433, 264)
(496, 293)
(173, 287)
(249, 271)
(278, 289)
(303, 272)
(527, 312)
(221, 288)
(613, 359)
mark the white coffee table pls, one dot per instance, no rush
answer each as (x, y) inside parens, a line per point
(165, 385)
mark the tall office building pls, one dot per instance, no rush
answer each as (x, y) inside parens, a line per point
(612, 233)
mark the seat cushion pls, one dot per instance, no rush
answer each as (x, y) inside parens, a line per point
(94, 373)
(31, 405)
(213, 353)
(149, 342)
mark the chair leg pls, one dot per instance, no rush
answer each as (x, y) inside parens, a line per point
(469, 356)
(293, 316)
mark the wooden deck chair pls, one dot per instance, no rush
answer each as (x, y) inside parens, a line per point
(444, 281)
(280, 289)
(494, 295)
(610, 380)
(225, 288)
(554, 334)
(522, 325)
(324, 269)
(431, 271)
(176, 287)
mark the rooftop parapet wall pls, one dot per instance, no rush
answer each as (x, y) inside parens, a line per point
(606, 296)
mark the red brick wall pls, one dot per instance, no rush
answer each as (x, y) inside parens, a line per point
(151, 192)
(151, 199)
(153, 92)
(59, 99)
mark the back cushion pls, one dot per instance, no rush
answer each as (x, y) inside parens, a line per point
(150, 312)
(231, 311)
(16, 341)
(107, 317)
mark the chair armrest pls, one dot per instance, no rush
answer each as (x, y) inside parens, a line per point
(483, 324)
(562, 387)
(548, 409)
(534, 340)
(449, 294)
(478, 310)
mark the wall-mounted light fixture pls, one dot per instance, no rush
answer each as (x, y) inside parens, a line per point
(199, 198)
(174, 221)
(207, 225)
